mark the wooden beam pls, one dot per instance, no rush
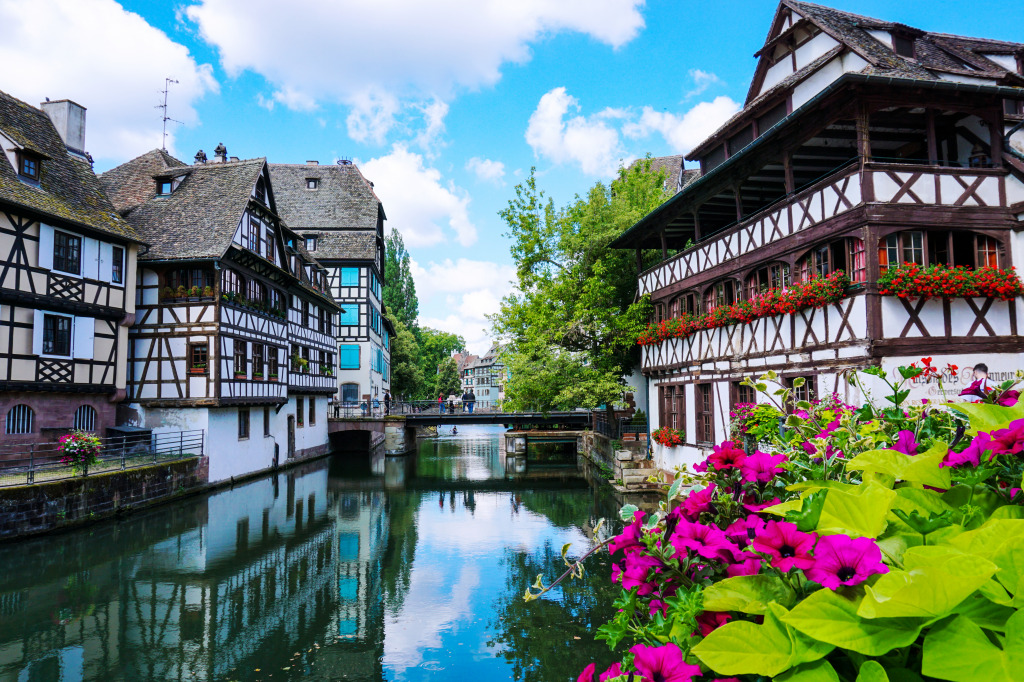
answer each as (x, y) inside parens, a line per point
(787, 169)
(739, 202)
(664, 245)
(639, 261)
(696, 224)
(933, 145)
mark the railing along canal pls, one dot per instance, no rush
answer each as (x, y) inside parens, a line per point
(28, 464)
(379, 408)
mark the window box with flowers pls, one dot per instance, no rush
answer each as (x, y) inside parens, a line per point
(912, 281)
(197, 368)
(668, 437)
(241, 375)
(326, 370)
(257, 376)
(300, 364)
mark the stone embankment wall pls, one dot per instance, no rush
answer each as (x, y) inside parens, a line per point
(46, 506)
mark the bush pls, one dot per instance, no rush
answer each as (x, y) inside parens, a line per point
(877, 543)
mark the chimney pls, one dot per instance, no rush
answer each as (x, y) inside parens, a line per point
(69, 120)
(200, 157)
(312, 163)
(220, 154)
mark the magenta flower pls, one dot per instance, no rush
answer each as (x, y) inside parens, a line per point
(749, 565)
(697, 502)
(1008, 441)
(905, 443)
(635, 571)
(1009, 398)
(756, 507)
(709, 621)
(972, 454)
(588, 673)
(726, 455)
(787, 547)
(630, 536)
(842, 560)
(663, 663)
(762, 467)
(613, 671)
(742, 531)
(701, 468)
(707, 541)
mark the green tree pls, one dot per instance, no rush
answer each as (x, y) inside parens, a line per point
(447, 382)
(435, 347)
(399, 287)
(573, 321)
(406, 374)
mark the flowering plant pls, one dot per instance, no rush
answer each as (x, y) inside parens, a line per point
(911, 280)
(668, 437)
(878, 543)
(79, 450)
(817, 292)
(757, 421)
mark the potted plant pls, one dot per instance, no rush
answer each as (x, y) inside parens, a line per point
(193, 293)
(272, 376)
(167, 294)
(79, 450)
(197, 368)
(257, 375)
(240, 375)
(326, 370)
(182, 292)
(207, 292)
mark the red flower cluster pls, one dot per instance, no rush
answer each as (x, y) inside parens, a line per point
(911, 280)
(817, 292)
(668, 437)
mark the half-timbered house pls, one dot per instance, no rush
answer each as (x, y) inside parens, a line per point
(341, 221)
(66, 296)
(226, 310)
(862, 145)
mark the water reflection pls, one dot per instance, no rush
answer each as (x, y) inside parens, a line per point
(351, 568)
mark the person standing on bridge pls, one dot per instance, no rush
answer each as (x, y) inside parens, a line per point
(440, 403)
(465, 401)
(472, 401)
(387, 402)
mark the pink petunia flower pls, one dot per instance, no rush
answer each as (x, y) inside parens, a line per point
(749, 565)
(707, 541)
(613, 671)
(972, 454)
(709, 621)
(636, 571)
(630, 536)
(1008, 441)
(663, 663)
(698, 501)
(787, 547)
(756, 507)
(905, 443)
(762, 467)
(842, 560)
(742, 531)
(726, 455)
(588, 673)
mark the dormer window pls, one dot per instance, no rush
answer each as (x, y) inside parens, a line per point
(164, 187)
(261, 191)
(312, 183)
(28, 166)
(311, 243)
(903, 46)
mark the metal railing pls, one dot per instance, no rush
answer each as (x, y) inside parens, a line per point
(37, 463)
(623, 427)
(378, 408)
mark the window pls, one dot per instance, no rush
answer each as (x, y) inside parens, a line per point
(231, 282)
(67, 253)
(348, 357)
(266, 423)
(719, 293)
(272, 363)
(742, 393)
(671, 401)
(20, 419)
(257, 360)
(804, 392)
(857, 267)
(934, 247)
(305, 314)
(56, 335)
(261, 191)
(350, 277)
(299, 412)
(240, 359)
(85, 418)
(772, 276)
(350, 393)
(349, 317)
(311, 243)
(325, 320)
(243, 423)
(903, 46)
(198, 358)
(164, 187)
(28, 166)
(987, 252)
(275, 300)
(252, 233)
(117, 265)
(257, 292)
(842, 254)
(312, 183)
(312, 411)
(189, 277)
(705, 414)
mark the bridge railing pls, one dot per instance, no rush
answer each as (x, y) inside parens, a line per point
(370, 409)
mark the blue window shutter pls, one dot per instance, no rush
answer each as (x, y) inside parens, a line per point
(348, 357)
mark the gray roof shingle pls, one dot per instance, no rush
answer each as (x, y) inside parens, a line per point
(343, 200)
(68, 189)
(344, 244)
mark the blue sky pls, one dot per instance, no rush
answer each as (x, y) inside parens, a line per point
(444, 104)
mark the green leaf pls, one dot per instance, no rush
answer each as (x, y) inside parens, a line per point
(783, 508)
(627, 511)
(565, 549)
(958, 650)
(673, 491)
(833, 618)
(871, 671)
(807, 518)
(984, 612)
(747, 594)
(856, 514)
(986, 417)
(798, 382)
(935, 581)
(924, 468)
(818, 671)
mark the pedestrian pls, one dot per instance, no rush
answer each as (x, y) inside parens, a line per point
(364, 407)
(981, 386)
(376, 406)
(451, 404)
(440, 403)
(387, 402)
(472, 400)
(465, 402)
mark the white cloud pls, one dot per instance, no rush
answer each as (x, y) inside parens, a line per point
(107, 59)
(470, 289)
(371, 116)
(683, 132)
(487, 170)
(591, 143)
(702, 80)
(417, 202)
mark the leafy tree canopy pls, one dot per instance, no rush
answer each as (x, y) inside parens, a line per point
(573, 321)
(435, 347)
(399, 289)
(447, 381)
(406, 373)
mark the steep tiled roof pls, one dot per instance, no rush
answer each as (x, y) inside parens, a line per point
(198, 219)
(676, 177)
(343, 199)
(68, 189)
(343, 244)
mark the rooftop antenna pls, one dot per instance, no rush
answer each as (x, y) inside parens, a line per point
(166, 118)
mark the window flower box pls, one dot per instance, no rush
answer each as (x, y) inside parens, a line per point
(240, 375)
(197, 369)
(911, 281)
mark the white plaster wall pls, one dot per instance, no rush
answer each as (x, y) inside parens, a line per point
(230, 456)
(776, 73)
(309, 435)
(817, 81)
(814, 48)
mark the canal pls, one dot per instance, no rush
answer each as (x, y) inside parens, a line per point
(353, 567)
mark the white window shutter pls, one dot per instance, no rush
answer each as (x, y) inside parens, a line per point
(106, 261)
(37, 328)
(90, 258)
(46, 246)
(84, 329)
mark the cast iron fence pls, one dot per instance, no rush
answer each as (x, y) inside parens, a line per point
(28, 464)
(378, 408)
